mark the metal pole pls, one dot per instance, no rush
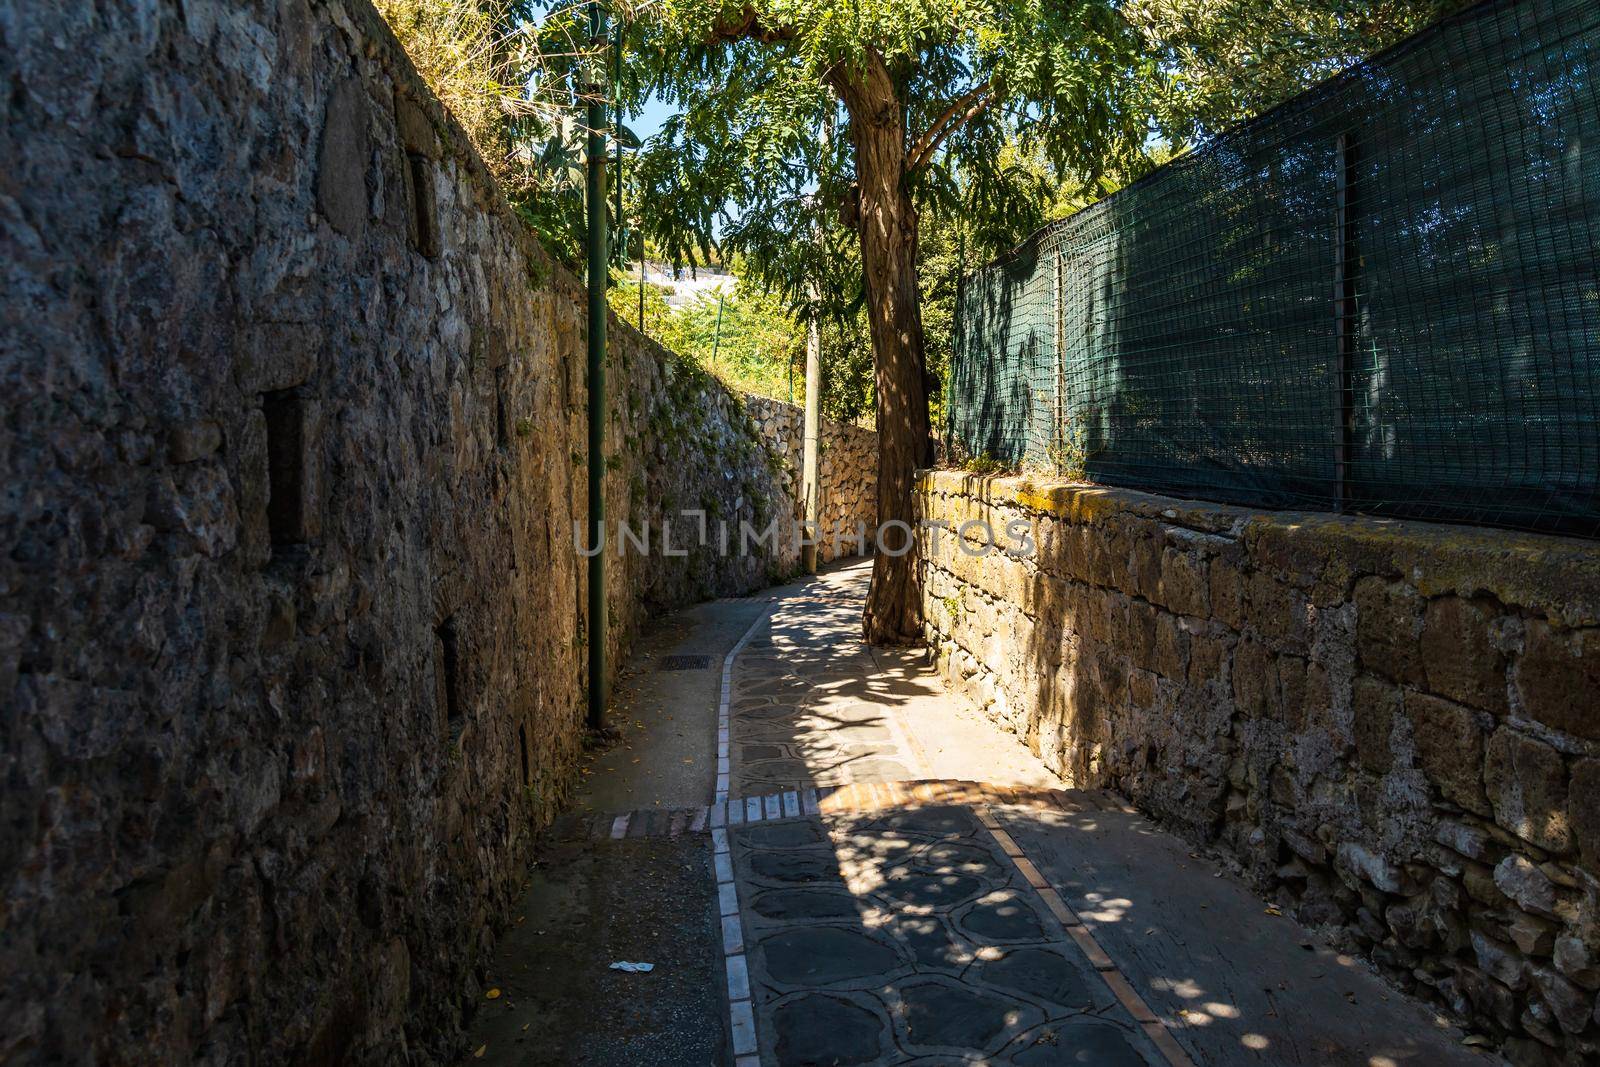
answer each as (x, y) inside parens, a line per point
(955, 341)
(810, 482)
(811, 439)
(616, 88)
(716, 338)
(596, 204)
(641, 284)
(1059, 436)
(1344, 319)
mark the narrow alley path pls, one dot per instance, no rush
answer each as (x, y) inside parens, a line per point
(883, 877)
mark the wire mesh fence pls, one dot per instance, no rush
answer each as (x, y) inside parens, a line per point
(1382, 296)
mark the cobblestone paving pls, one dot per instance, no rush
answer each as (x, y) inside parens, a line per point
(811, 702)
(897, 881)
(908, 937)
(897, 936)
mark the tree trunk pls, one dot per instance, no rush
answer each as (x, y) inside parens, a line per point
(888, 229)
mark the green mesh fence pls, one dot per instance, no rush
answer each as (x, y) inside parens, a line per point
(1382, 296)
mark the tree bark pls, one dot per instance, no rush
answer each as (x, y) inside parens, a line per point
(888, 231)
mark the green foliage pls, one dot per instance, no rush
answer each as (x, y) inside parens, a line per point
(761, 347)
(511, 81)
(1069, 82)
(1235, 58)
(472, 61)
(983, 465)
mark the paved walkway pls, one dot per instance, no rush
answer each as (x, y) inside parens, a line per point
(894, 880)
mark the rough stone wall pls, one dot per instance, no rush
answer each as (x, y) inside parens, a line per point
(290, 616)
(1395, 727)
(848, 468)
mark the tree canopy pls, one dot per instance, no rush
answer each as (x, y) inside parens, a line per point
(756, 86)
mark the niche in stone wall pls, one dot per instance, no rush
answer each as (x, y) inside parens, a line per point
(291, 505)
(502, 407)
(422, 221)
(447, 678)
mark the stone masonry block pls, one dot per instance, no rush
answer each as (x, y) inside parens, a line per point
(1449, 744)
(1145, 564)
(1170, 656)
(1526, 781)
(1138, 638)
(1558, 679)
(1458, 656)
(1280, 613)
(1374, 704)
(1226, 589)
(345, 153)
(1182, 587)
(1389, 628)
(1583, 809)
(416, 129)
(1307, 694)
(1254, 678)
(1523, 881)
(1208, 657)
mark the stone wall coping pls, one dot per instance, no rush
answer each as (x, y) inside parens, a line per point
(1558, 577)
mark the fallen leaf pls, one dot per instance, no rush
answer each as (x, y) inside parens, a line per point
(478, 1055)
(493, 994)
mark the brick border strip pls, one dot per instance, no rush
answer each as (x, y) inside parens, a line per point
(859, 798)
(855, 799)
(725, 695)
(741, 1004)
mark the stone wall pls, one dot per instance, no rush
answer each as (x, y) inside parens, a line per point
(848, 468)
(290, 617)
(1394, 727)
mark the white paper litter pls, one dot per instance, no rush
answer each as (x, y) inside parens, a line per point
(633, 968)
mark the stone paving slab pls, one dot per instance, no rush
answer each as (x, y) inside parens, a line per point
(907, 936)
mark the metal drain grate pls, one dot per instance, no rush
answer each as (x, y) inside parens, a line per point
(684, 663)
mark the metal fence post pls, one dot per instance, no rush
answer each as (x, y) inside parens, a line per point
(1061, 365)
(595, 202)
(1344, 317)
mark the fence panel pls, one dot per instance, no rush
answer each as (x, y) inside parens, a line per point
(1382, 296)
